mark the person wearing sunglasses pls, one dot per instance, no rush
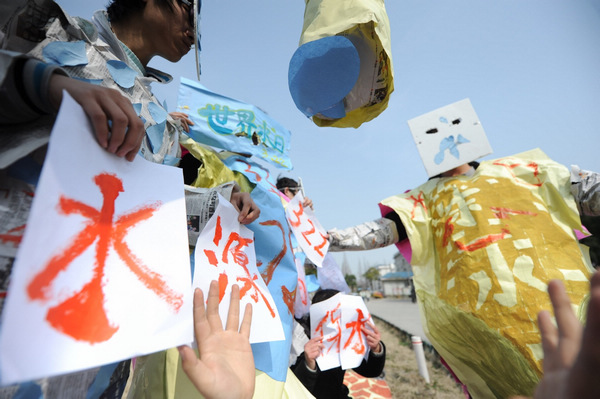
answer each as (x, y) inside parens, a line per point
(290, 187)
(103, 65)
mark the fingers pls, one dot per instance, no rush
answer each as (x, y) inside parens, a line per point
(116, 125)
(212, 307)
(249, 213)
(591, 355)
(568, 324)
(307, 203)
(201, 326)
(188, 357)
(233, 317)
(209, 321)
(313, 348)
(246, 321)
(127, 131)
(99, 122)
(186, 122)
(562, 343)
(247, 208)
(118, 128)
(549, 338)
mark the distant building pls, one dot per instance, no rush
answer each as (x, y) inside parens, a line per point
(400, 264)
(397, 283)
(385, 269)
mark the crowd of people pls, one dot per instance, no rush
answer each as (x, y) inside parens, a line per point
(130, 33)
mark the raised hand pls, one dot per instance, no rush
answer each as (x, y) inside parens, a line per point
(225, 366)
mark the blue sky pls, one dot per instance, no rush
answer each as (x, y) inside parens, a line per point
(531, 69)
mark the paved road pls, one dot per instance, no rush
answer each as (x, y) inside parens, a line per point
(401, 313)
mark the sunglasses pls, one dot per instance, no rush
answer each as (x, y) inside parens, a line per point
(190, 8)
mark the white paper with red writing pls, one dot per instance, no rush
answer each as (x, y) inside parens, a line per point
(302, 301)
(354, 342)
(311, 236)
(225, 252)
(326, 322)
(103, 271)
(339, 320)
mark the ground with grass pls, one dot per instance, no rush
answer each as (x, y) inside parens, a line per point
(402, 373)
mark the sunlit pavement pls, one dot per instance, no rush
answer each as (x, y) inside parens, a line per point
(401, 313)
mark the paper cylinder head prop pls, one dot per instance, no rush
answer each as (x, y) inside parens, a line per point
(449, 137)
(341, 75)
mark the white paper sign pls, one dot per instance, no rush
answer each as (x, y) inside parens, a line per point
(326, 322)
(449, 137)
(330, 275)
(102, 273)
(302, 302)
(354, 342)
(311, 236)
(339, 320)
(225, 252)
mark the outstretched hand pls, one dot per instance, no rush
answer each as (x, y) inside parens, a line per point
(571, 359)
(103, 106)
(225, 366)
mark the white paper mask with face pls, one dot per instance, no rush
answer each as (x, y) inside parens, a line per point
(449, 137)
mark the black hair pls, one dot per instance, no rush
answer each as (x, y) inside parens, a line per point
(319, 296)
(323, 295)
(122, 10)
(286, 182)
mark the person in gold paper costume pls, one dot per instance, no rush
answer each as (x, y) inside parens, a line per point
(485, 243)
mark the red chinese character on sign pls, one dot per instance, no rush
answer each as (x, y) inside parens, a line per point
(83, 316)
(233, 251)
(532, 168)
(333, 317)
(356, 329)
(267, 274)
(419, 201)
(315, 239)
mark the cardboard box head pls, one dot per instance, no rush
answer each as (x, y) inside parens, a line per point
(449, 137)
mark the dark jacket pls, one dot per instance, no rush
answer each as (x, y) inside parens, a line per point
(329, 384)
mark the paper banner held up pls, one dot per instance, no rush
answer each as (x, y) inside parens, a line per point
(330, 275)
(449, 137)
(102, 272)
(311, 236)
(225, 252)
(302, 303)
(232, 125)
(352, 44)
(339, 320)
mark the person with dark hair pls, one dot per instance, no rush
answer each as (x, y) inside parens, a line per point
(329, 384)
(290, 187)
(103, 65)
